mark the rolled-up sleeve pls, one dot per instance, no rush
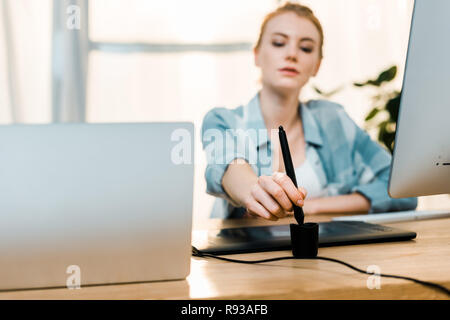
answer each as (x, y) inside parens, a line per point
(221, 148)
(373, 167)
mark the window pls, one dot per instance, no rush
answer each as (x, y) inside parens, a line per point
(153, 60)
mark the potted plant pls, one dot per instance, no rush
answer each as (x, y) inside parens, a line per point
(384, 113)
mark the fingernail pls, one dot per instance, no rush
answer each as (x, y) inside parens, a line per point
(300, 202)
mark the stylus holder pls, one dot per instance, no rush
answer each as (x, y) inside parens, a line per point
(305, 240)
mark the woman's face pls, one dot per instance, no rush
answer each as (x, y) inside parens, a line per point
(289, 52)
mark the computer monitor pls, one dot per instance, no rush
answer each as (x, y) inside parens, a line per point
(421, 161)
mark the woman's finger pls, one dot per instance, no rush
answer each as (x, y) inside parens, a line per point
(255, 208)
(276, 191)
(267, 201)
(288, 186)
(303, 190)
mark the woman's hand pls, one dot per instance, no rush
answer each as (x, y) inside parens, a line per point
(273, 197)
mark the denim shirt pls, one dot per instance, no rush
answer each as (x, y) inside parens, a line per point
(351, 160)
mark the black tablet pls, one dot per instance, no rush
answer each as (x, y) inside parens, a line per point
(277, 237)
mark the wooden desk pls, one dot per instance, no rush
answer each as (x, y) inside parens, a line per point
(426, 258)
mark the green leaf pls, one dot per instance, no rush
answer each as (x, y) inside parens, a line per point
(382, 125)
(382, 130)
(368, 82)
(328, 94)
(388, 140)
(387, 75)
(317, 90)
(392, 106)
(372, 114)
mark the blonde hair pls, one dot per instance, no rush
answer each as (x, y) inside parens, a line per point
(299, 10)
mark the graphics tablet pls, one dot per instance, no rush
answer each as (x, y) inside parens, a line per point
(272, 238)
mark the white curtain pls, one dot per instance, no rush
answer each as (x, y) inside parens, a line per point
(25, 39)
(43, 63)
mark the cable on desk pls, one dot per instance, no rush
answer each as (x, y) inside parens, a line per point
(198, 253)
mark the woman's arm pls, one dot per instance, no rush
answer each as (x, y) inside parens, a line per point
(348, 203)
(238, 181)
(372, 165)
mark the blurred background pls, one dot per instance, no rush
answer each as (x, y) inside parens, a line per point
(153, 60)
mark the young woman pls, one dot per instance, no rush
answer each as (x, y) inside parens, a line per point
(337, 164)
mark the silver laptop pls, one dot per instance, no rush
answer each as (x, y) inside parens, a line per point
(84, 204)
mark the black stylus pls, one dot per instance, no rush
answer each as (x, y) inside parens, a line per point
(298, 211)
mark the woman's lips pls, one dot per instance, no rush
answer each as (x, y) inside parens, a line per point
(289, 72)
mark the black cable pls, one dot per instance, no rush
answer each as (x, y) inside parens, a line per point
(425, 283)
(198, 253)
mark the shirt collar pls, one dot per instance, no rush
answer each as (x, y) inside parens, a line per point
(253, 119)
(310, 126)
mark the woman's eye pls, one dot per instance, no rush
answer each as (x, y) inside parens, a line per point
(278, 44)
(307, 50)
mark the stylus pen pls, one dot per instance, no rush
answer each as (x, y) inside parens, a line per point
(298, 211)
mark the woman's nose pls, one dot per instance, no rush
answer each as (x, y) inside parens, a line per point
(291, 53)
